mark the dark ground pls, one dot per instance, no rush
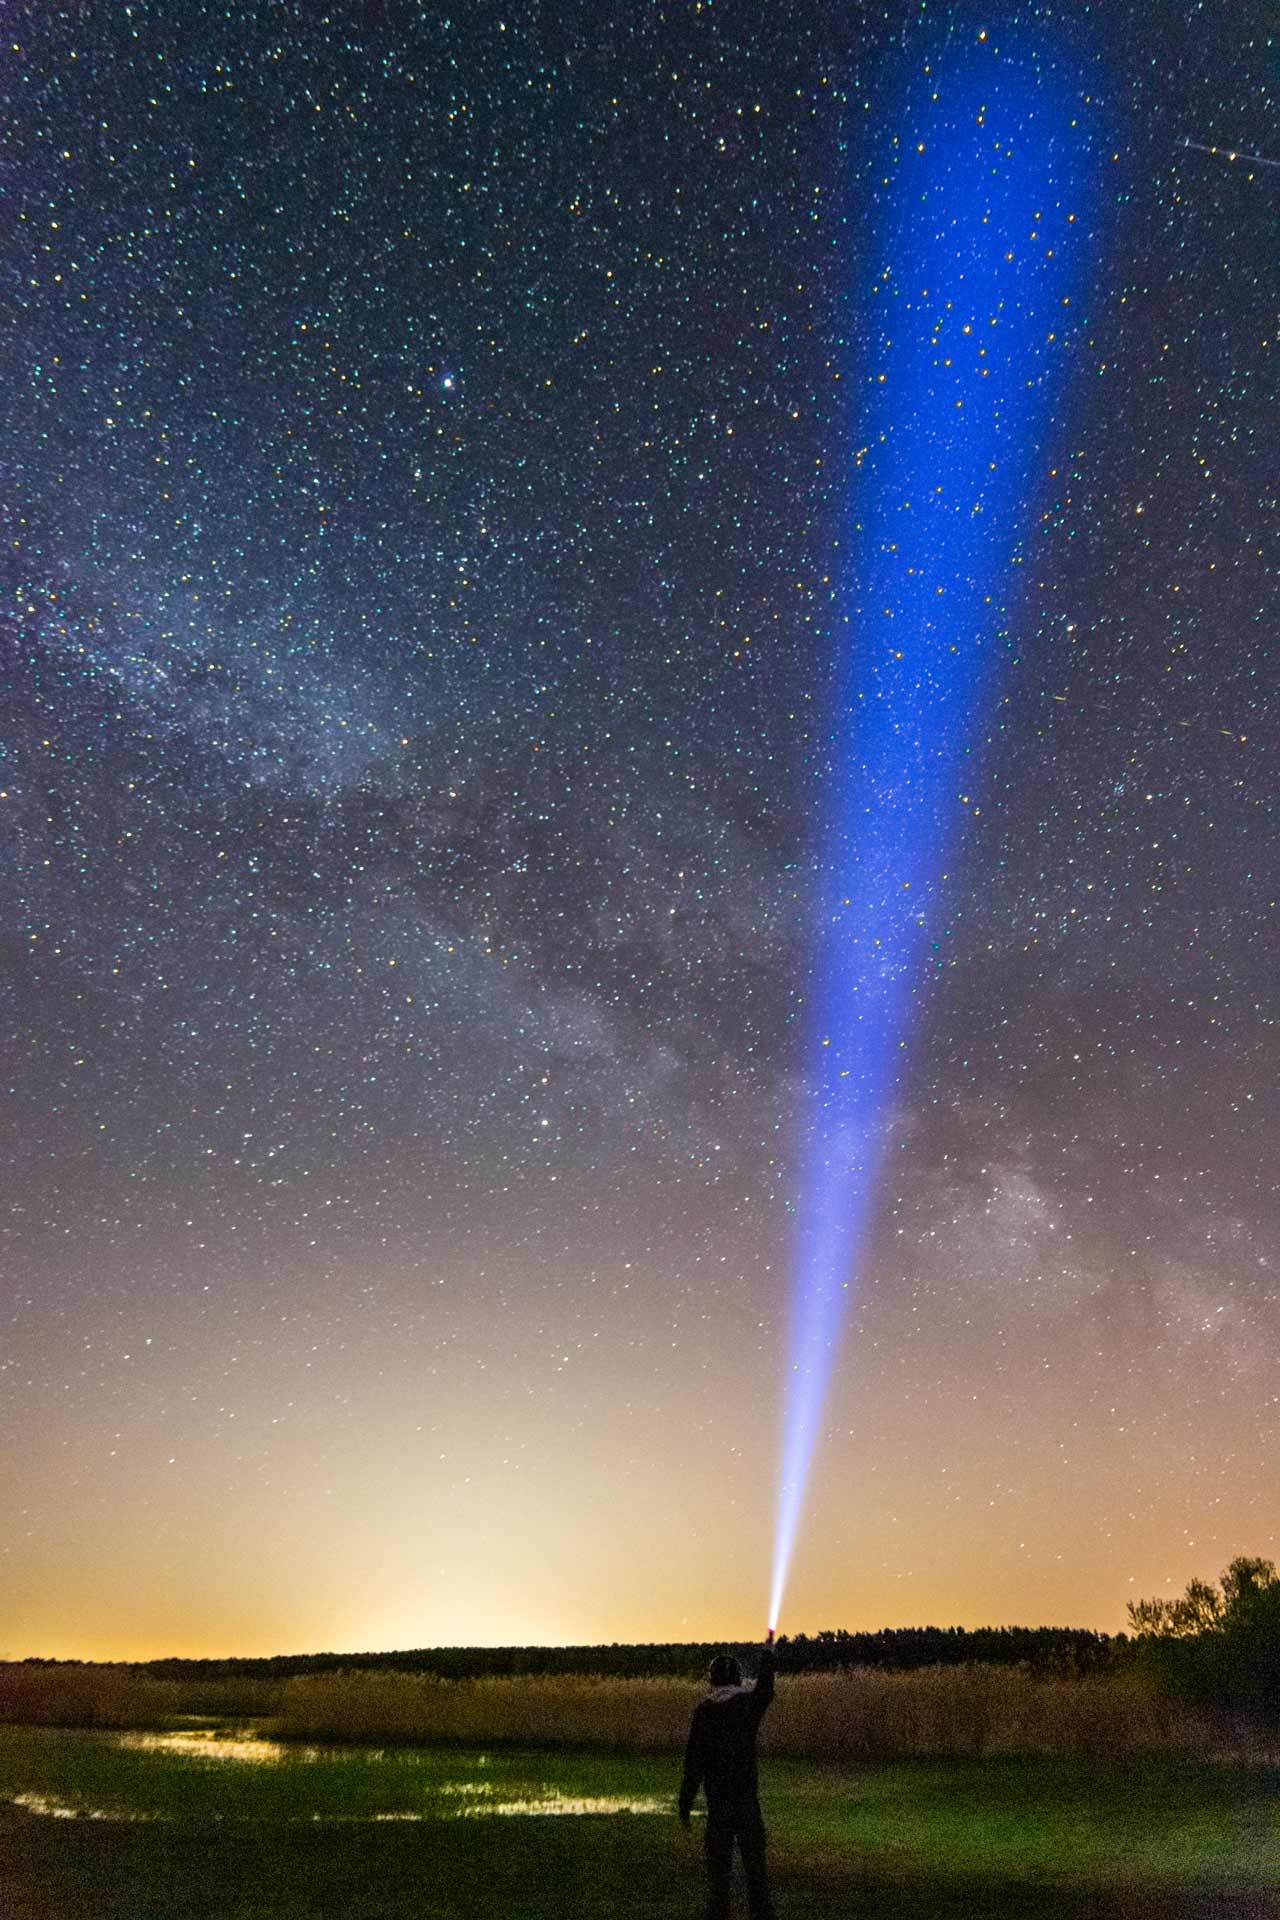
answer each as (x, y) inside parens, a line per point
(498, 1870)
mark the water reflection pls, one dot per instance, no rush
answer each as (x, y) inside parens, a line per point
(65, 1810)
(549, 1802)
(482, 1798)
(216, 1744)
(553, 1802)
(435, 1799)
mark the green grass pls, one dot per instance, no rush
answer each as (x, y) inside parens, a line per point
(1051, 1820)
(919, 1840)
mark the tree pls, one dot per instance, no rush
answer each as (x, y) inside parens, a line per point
(1218, 1646)
(1243, 1581)
(1204, 1607)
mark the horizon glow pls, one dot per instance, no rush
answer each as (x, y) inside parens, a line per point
(975, 251)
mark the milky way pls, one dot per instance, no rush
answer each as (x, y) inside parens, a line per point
(430, 446)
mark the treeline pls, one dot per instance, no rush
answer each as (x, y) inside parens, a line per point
(1065, 1650)
(1039, 1650)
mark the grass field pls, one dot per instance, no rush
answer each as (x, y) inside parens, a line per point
(320, 1833)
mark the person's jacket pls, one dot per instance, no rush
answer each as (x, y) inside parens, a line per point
(721, 1749)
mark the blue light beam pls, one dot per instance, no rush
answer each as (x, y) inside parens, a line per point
(979, 237)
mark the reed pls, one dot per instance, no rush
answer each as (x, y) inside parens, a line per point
(110, 1696)
(74, 1696)
(859, 1713)
(863, 1713)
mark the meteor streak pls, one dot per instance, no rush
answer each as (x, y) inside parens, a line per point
(978, 238)
(1232, 153)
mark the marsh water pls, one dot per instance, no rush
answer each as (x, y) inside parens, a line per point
(228, 1772)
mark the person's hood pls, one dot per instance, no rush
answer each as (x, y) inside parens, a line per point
(717, 1696)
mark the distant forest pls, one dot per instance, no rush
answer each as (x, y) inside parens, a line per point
(1040, 1649)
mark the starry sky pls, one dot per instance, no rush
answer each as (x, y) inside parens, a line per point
(433, 448)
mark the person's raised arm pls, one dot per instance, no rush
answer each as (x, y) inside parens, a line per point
(762, 1692)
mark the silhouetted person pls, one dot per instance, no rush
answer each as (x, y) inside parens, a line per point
(721, 1755)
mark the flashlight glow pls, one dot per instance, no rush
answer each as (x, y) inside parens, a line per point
(980, 228)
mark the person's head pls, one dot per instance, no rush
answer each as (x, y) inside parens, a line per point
(725, 1671)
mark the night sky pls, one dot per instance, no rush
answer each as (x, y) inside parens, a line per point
(433, 452)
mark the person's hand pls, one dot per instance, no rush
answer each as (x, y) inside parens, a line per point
(768, 1639)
